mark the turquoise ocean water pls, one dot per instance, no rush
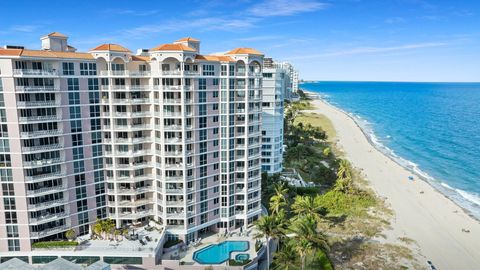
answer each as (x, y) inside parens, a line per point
(432, 129)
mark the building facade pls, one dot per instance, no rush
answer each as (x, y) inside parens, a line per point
(278, 85)
(167, 134)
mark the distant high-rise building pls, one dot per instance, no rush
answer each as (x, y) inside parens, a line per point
(169, 134)
(278, 85)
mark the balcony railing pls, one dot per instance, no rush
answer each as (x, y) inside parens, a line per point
(37, 133)
(35, 72)
(43, 162)
(47, 204)
(40, 118)
(38, 103)
(171, 72)
(46, 218)
(42, 147)
(37, 88)
(46, 190)
(44, 176)
(50, 231)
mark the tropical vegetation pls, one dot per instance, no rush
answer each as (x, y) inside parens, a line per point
(318, 227)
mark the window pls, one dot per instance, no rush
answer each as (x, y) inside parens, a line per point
(267, 75)
(9, 203)
(68, 69)
(208, 70)
(13, 245)
(12, 231)
(11, 217)
(202, 84)
(73, 84)
(88, 69)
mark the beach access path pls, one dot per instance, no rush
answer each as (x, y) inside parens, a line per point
(420, 212)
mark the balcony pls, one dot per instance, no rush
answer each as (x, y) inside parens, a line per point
(124, 190)
(36, 118)
(49, 217)
(47, 204)
(136, 215)
(177, 202)
(192, 73)
(172, 114)
(173, 178)
(171, 72)
(44, 190)
(35, 72)
(172, 101)
(130, 101)
(52, 88)
(44, 162)
(51, 231)
(42, 147)
(40, 133)
(174, 191)
(38, 103)
(172, 127)
(44, 176)
(173, 140)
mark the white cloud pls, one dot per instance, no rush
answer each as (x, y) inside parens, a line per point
(130, 12)
(24, 28)
(395, 20)
(201, 24)
(270, 8)
(371, 50)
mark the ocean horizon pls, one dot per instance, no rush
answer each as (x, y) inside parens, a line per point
(431, 128)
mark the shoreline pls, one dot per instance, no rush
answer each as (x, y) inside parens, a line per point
(421, 212)
(410, 169)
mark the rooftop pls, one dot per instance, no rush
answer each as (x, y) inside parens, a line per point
(56, 34)
(173, 47)
(111, 47)
(244, 51)
(188, 39)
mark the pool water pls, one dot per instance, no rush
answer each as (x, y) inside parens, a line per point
(242, 257)
(219, 253)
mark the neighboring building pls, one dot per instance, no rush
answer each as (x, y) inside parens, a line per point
(169, 135)
(278, 84)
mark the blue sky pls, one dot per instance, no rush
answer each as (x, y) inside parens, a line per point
(380, 40)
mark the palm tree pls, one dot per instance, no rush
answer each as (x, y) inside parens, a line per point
(303, 248)
(305, 231)
(285, 258)
(276, 204)
(344, 177)
(309, 206)
(269, 227)
(97, 228)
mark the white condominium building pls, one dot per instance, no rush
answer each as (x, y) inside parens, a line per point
(277, 87)
(169, 135)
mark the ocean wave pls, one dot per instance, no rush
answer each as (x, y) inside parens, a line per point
(466, 200)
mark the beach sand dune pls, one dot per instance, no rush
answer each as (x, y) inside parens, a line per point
(443, 232)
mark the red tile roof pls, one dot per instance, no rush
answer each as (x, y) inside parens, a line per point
(244, 51)
(111, 47)
(45, 54)
(56, 34)
(188, 39)
(214, 58)
(172, 47)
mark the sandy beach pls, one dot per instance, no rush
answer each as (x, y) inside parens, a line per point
(420, 212)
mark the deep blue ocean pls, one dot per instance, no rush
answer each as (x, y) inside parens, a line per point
(431, 128)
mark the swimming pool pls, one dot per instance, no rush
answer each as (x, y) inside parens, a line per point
(219, 253)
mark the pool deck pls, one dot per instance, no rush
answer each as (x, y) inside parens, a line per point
(187, 256)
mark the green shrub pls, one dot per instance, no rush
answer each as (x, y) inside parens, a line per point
(54, 244)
